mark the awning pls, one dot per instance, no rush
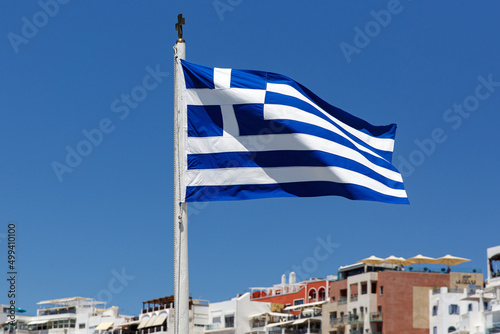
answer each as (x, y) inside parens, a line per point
(143, 322)
(274, 314)
(293, 307)
(104, 326)
(37, 322)
(150, 322)
(125, 324)
(300, 321)
(158, 321)
(279, 324)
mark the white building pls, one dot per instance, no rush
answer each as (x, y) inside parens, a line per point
(492, 291)
(479, 310)
(448, 308)
(157, 316)
(76, 315)
(236, 316)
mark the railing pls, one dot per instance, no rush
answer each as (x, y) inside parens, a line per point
(337, 322)
(493, 329)
(306, 331)
(354, 318)
(315, 313)
(355, 331)
(376, 316)
(437, 291)
(342, 300)
(354, 298)
(214, 326)
(275, 331)
(260, 323)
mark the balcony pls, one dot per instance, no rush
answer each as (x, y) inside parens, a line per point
(355, 318)
(356, 331)
(354, 298)
(217, 325)
(339, 322)
(313, 313)
(493, 329)
(375, 316)
(305, 331)
(258, 324)
(342, 300)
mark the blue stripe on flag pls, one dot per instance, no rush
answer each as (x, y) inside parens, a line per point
(283, 159)
(293, 189)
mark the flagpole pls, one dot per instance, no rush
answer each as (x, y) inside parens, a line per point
(181, 270)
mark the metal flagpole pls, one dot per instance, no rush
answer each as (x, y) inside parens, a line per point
(181, 273)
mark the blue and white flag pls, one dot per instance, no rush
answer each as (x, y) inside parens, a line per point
(251, 134)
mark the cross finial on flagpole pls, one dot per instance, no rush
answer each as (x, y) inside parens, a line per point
(178, 26)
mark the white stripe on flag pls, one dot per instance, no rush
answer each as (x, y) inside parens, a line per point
(274, 175)
(229, 122)
(222, 77)
(283, 142)
(384, 144)
(229, 96)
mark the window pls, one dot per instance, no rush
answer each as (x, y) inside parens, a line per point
(469, 308)
(312, 294)
(364, 288)
(434, 310)
(454, 309)
(81, 326)
(451, 329)
(216, 320)
(322, 294)
(374, 287)
(381, 290)
(333, 315)
(229, 320)
(434, 330)
(298, 302)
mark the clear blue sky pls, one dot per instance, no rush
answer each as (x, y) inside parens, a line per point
(112, 215)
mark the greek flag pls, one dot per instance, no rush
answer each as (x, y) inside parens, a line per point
(251, 134)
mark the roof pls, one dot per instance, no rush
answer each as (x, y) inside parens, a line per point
(71, 301)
